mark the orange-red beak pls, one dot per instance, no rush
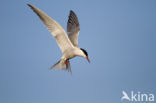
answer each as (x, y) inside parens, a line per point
(88, 59)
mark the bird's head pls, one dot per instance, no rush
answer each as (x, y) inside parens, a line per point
(85, 54)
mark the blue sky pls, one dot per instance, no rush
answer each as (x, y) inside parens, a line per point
(120, 38)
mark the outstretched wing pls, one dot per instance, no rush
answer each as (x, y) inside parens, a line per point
(73, 28)
(55, 29)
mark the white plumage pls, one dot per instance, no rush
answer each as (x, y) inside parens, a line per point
(68, 46)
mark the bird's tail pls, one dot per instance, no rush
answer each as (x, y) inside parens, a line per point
(61, 65)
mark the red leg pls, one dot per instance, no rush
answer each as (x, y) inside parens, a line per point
(66, 62)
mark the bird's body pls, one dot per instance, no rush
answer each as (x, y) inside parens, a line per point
(72, 52)
(68, 44)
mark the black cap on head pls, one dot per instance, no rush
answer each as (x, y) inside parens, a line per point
(84, 51)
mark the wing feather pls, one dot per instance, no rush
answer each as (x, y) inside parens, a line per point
(55, 29)
(73, 28)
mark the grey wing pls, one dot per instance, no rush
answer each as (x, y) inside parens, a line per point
(73, 28)
(55, 29)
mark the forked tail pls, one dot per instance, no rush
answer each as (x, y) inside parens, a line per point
(62, 65)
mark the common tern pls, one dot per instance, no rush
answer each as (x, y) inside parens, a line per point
(68, 44)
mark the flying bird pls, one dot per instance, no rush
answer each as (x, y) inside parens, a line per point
(67, 43)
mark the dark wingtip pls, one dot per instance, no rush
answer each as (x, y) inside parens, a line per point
(72, 12)
(29, 5)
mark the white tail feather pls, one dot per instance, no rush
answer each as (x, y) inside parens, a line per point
(61, 65)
